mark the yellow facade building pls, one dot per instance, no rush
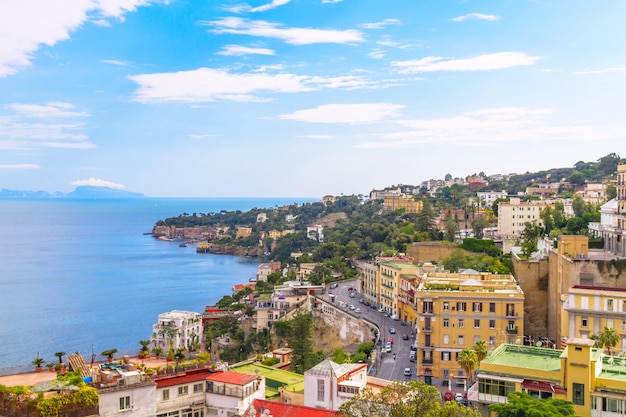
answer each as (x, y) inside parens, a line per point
(397, 202)
(582, 374)
(456, 310)
(390, 276)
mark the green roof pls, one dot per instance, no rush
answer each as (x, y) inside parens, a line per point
(528, 357)
(274, 377)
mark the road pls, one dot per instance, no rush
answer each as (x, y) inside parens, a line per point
(388, 367)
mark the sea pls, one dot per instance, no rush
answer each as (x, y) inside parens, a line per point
(86, 276)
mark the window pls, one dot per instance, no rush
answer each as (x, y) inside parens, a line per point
(166, 394)
(478, 307)
(446, 306)
(461, 340)
(445, 356)
(578, 394)
(492, 307)
(320, 390)
(492, 340)
(125, 403)
(492, 324)
(184, 390)
(197, 387)
(477, 323)
(609, 304)
(461, 323)
(461, 306)
(446, 322)
(584, 322)
(623, 306)
(446, 339)
(495, 387)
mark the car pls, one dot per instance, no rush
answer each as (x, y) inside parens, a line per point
(330, 291)
(387, 348)
(357, 310)
(412, 357)
(361, 300)
(390, 340)
(350, 288)
(405, 336)
(351, 306)
(333, 286)
(448, 396)
(372, 306)
(392, 330)
(407, 371)
(380, 310)
(351, 295)
(458, 397)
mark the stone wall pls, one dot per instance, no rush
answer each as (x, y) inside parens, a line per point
(434, 252)
(533, 278)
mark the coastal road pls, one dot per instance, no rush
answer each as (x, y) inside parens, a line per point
(388, 367)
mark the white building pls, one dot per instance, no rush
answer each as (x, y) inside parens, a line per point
(487, 198)
(328, 384)
(124, 392)
(261, 218)
(315, 232)
(184, 328)
(513, 215)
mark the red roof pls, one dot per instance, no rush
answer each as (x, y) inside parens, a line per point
(184, 379)
(230, 377)
(542, 386)
(289, 410)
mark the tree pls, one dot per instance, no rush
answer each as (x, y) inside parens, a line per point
(109, 353)
(578, 205)
(455, 261)
(455, 409)
(480, 347)
(606, 339)
(301, 343)
(60, 356)
(521, 404)
(450, 229)
(479, 224)
(395, 400)
(467, 359)
(426, 220)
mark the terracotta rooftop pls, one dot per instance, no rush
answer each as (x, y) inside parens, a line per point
(230, 377)
(183, 379)
(277, 409)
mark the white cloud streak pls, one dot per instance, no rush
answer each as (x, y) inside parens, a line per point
(19, 166)
(488, 127)
(237, 50)
(95, 182)
(487, 62)
(602, 71)
(26, 25)
(50, 110)
(345, 113)
(476, 16)
(207, 84)
(380, 25)
(292, 36)
(270, 6)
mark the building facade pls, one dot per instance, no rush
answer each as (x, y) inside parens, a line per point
(407, 203)
(456, 310)
(513, 215)
(328, 384)
(183, 328)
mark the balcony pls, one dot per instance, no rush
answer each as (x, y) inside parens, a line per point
(512, 330)
(427, 329)
(427, 361)
(511, 314)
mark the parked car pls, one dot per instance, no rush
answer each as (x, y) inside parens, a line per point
(333, 286)
(351, 306)
(407, 371)
(412, 357)
(392, 330)
(448, 396)
(405, 336)
(458, 397)
(361, 300)
(387, 347)
(357, 310)
(390, 340)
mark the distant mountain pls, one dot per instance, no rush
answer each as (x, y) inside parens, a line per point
(82, 192)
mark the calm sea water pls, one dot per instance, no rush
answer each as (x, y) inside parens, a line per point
(81, 274)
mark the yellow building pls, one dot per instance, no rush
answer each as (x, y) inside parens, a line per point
(408, 203)
(390, 273)
(588, 309)
(513, 215)
(456, 310)
(243, 231)
(370, 282)
(581, 374)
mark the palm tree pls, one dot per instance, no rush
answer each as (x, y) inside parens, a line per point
(468, 360)
(480, 347)
(607, 339)
(60, 356)
(109, 353)
(144, 351)
(157, 351)
(179, 355)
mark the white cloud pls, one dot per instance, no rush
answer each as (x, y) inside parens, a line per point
(292, 36)
(19, 166)
(318, 137)
(331, 1)
(478, 16)
(94, 182)
(269, 6)
(244, 50)
(488, 127)
(602, 71)
(207, 84)
(345, 113)
(30, 126)
(487, 62)
(26, 25)
(201, 136)
(50, 110)
(116, 62)
(381, 24)
(377, 54)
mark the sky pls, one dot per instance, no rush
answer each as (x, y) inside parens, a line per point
(303, 98)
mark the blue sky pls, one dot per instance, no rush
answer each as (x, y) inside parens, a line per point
(303, 98)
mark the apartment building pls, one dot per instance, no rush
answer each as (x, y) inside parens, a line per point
(328, 384)
(390, 273)
(613, 221)
(456, 310)
(594, 382)
(487, 198)
(408, 203)
(370, 282)
(284, 299)
(183, 328)
(513, 215)
(588, 309)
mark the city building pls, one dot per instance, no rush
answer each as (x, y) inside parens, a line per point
(315, 232)
(613, 218)
(390, 273)
(397, 202)
(487, 198)
(328, 385)
(594, 382)
(513, 215)
(456, 310)
(589, 309)
(370, 282)
(265, 269)
(276, 409)
(183, 328)
(243, 231)
(284, 300)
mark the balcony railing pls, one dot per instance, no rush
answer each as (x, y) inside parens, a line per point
(511, 330)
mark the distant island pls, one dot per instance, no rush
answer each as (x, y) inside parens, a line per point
(81, 192)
